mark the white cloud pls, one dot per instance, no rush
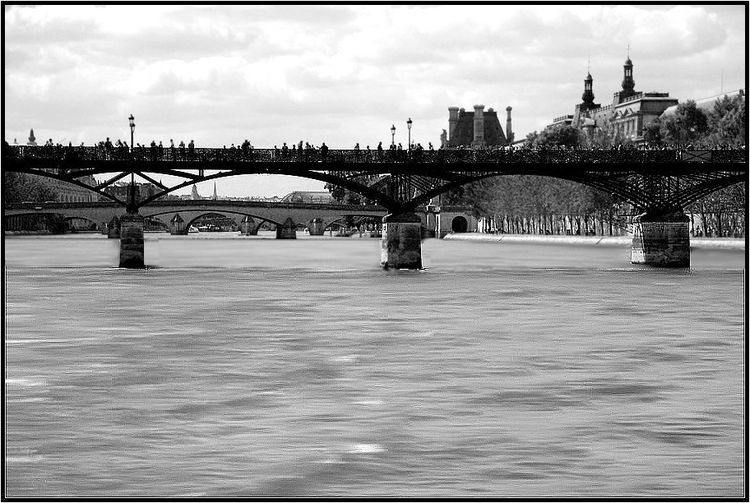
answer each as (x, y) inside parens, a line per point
(343, 74)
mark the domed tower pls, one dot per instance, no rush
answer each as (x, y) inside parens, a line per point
(628, 84)
(588, 93)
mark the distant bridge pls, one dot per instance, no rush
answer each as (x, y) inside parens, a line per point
(317, 217)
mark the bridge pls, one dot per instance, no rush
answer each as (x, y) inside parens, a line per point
(659, 184)
(178, 215)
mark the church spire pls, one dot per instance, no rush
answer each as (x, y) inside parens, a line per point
(588, 91)
(628, 84)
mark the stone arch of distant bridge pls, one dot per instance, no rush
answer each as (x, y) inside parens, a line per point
(341, 220)
(67, 218)
(277, 215)
(302, 214)
(190, 216)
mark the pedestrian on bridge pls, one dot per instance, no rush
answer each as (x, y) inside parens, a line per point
(191, 150)
(380, 151)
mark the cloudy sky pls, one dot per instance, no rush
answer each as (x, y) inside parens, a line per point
(341, 74)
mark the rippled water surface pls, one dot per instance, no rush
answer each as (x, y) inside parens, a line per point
(255, 367)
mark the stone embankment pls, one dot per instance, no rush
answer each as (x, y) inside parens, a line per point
(706, 243)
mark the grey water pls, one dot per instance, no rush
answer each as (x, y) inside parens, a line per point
(253, 367)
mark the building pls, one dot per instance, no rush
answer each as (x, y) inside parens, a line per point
(476, 129)
(310, 197)
(625, 117)
(69, 193)
(121, 190)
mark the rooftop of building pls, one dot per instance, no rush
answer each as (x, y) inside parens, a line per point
(303, 196)
(706, 104)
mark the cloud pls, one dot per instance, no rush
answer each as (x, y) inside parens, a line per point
(344, 73)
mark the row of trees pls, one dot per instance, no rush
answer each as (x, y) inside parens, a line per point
(724, 125)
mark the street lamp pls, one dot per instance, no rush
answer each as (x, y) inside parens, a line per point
(408, 125)
(393, 134)
(132, 130)
(131, 207)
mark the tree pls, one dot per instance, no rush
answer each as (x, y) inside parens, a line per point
(727, 121)
(561, 136)
(652, 133)
(19, 188)
(530, 139)
(688, 125)
(346, 196)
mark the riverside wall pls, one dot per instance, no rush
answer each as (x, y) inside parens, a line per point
(704, 243)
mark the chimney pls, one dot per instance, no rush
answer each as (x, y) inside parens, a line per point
(452, 121)
(508, 128)
(478, 126)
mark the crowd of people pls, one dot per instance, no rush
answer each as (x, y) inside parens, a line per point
(307, 152)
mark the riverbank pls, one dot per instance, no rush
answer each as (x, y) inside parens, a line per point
(706, 243)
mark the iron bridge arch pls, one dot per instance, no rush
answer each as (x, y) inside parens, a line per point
(650, 180)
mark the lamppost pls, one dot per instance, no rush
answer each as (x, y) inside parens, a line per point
(132, 130)
(408, 125)
(393, 134)
(132, 208)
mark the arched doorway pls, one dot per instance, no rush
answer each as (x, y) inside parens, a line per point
(459, 224)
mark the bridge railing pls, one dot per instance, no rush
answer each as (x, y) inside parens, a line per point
(365, 156)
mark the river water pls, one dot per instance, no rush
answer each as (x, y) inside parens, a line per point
(253, 367)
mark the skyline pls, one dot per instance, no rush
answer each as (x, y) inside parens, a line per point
(342, 74)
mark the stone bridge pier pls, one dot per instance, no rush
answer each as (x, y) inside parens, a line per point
(287, 230)
(317, 227)
(131, 241)
(248, 226)
(177, 225)
(113, 228)
(661, 239)
(401, 242)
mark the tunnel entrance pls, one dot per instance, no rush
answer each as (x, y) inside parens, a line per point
(459, 224)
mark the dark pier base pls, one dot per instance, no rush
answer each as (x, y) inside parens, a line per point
(131, 241)
(177, 226)
(287, 230)
(248, 227)
(317, 227)
(661, 240)
(401, 242)
(113, 228)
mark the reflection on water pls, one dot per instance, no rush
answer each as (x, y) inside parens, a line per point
(255, 367)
